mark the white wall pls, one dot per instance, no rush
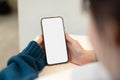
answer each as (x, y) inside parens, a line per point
(31, 11)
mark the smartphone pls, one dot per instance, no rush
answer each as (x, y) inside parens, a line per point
(54, 40)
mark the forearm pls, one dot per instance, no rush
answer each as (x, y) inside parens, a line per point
(26, 65)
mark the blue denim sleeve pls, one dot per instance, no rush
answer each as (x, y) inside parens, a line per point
(26, 65)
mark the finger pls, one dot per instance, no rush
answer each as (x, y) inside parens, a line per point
(39, 39)
(68, 38)
(36, 38)
(68, 45)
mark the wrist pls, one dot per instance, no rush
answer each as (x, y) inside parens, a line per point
(91, 55)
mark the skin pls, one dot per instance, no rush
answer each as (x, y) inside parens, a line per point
(77, 55)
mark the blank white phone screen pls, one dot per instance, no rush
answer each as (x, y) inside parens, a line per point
(54, 40)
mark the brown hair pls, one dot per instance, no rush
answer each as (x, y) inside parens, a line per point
(103, 10)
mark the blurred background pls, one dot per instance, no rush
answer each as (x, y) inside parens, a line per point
(14, 38)
(8, 30)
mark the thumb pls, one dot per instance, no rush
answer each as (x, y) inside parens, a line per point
(39, 39)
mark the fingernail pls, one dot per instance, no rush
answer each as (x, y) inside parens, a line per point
(36, 38)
